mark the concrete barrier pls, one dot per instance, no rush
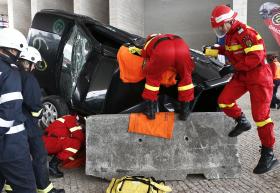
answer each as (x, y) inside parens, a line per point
(199, 146)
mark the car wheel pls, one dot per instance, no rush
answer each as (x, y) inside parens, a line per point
(53, 108)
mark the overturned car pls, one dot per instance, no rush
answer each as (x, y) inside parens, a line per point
(80, 73)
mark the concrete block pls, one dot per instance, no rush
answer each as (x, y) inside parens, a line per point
(199, 145)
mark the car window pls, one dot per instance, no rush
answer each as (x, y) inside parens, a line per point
(75, 54)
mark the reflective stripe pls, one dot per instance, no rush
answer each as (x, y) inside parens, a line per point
(254, 48)
(226, 105)
(75, 128)
(71, 150)
(16, 129)
(263, 123)
(259, 37)
(61, 120)
(152, 88)
(36, 114)
(7, 187)
(71, 158)
(225, 16)
(10, 97)
(233, 47)
(148, 43)
(184, 88)
(4, 123)
(46, 190)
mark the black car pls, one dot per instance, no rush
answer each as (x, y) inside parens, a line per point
(80, 71)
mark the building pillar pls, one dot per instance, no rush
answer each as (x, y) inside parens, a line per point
(127, 15)
(241, 8)
(19, 15)
(96, 9)
(37, 5)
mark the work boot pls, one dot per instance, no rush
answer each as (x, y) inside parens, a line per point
(54, 190)
(184, 110)
(267, 161)
(242, 125)
(150, 109)
(53, 168)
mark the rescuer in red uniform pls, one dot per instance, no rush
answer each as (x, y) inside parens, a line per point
(63, 138)
(160, 52)
(246, 53)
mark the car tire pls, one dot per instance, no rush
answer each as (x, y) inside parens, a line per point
(53, 108)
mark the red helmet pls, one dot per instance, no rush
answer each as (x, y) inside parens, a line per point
(221, 14)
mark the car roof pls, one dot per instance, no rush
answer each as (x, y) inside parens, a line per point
(49, 16)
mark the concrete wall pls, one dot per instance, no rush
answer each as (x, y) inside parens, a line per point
(255, 20)
(19, 15)
(96, 9)
(128, 15)
(3, 9)
(240, 7)
(189, 19)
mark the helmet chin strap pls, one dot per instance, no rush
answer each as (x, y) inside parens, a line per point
(13, 58)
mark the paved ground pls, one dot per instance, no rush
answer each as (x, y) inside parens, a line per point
(75, 181)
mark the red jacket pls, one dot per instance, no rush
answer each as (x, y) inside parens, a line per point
(245, 50)
(66, 126)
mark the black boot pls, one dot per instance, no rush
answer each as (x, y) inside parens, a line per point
(184, 110)
(54, 190)
(242, 125)
(150, 109)
(53, 168)
(267, 161)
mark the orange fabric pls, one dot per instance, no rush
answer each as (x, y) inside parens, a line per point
(277, 73)
(130, 66)
(162, 126)
(169, 77)
(131, 70)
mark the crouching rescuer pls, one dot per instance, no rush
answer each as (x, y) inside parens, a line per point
(63, 139)
(246, 53)
(160, 52)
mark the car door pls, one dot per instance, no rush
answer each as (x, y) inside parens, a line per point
(73, 85)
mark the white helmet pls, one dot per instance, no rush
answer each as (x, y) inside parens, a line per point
(31, 54)
(12, 38)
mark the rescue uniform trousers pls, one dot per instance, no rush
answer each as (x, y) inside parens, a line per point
(166, 53)
(39, 161)
(63, 147)
(260, 95)
(275, 100)
(15, 163)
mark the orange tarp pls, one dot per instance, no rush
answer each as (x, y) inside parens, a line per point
(131, 68)
(162, 126)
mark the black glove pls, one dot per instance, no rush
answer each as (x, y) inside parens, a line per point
(184, 110)
(226, 70)
(150, 109)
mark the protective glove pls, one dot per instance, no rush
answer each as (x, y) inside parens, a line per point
(209, 50)
(226, 70)
(184, 110)
(150, 109)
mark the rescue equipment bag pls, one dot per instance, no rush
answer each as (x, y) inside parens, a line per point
(137, 184)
